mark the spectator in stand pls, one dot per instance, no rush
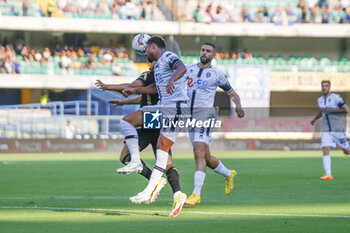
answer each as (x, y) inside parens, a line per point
(116, 70)
(65, 61)
(37, 56)
(51, 7)
(197, 15)
(245, 16)
(315, 16)
(347, 19)
(107, 57)
(46, 55)
(95, 48)
(325, 14)
(120, 51)
(304, 9)
(25, 5)
(266, 14)
(208, 16)
(338, 15)
(220, 16)
(260, 14)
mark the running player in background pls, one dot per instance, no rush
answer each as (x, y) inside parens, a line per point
(145, 137)
(203, 80)
(171, 87)
(332, 107)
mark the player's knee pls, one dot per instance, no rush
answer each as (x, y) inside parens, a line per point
(326, 150)
(347, 151)
(199, 153)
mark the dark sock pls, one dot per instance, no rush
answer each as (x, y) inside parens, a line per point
(173, 178)
(146, 172)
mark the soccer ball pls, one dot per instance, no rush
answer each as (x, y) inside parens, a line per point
(139, 43)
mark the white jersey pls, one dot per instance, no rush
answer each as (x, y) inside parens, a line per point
(332, 122)
(202, 85)
(163, 72)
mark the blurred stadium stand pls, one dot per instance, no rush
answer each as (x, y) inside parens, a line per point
(270, 62)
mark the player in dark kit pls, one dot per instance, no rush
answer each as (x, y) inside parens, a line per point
(146, 137)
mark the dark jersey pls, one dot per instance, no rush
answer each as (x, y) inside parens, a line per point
(147, 78)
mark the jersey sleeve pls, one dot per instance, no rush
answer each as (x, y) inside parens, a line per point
(223, 82)
(142, 78)
(172, 59)
(340, 102)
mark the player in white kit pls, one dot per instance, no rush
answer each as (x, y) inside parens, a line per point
(202, 82)
(333, 131)
(171, 87)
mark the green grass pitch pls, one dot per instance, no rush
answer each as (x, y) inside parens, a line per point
(275, 191)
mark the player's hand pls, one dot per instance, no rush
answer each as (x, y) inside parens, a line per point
(312, 122)
(100, 85)
(128, 91)
(170, 87)
(240, 112)
(117, 102)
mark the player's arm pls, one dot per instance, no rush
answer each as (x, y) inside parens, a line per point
(237, 100)
(120, 102)
(150, 89)
(180, 69)
(344, 109)
(318, 116)
(117, 87)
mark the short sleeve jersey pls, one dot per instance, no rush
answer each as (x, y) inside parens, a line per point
(163, 72)
(202, 85)
(332, 122)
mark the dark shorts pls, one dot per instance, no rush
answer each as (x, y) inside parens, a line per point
(147, 137)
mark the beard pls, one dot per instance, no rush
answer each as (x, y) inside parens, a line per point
(150, 59)
(205, 61)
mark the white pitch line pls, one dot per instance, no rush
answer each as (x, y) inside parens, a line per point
(184, 212)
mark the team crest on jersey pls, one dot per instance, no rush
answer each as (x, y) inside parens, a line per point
(208, 75)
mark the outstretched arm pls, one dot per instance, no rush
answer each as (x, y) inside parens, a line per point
(235, 98)
(318, 116)
(120, 102)
(150, 89)
(117, 87)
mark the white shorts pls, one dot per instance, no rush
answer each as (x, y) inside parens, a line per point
(331, 139)
(202, 134)
(171, 115)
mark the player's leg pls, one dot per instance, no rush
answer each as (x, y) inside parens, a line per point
(172, 175)
(326, 160)
(144, 141)
(163, 146)
(342, 141)
(216, 164)
(327, 142)
(171, 171)
(164, 143)
(128, 124)
(199, 150)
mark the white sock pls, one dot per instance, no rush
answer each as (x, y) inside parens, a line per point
(162, 159)
(199, 178)
(175, 194)
(221, 169)
(131, 140)
(327, 164)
